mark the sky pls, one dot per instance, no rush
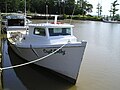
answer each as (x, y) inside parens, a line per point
(106, 5)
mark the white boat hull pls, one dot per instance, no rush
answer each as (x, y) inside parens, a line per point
(107, 21)
(66, 61)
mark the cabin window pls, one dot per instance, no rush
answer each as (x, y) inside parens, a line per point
(15, 22)
(39, 31)
(59, 31)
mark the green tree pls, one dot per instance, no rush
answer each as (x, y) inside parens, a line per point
(69, 6)
(83, 7)
(54, 6)
(12, 5)
(99, 9)
(89, 7)
(114, 9)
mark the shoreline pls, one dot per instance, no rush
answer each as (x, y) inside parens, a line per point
(60, 17)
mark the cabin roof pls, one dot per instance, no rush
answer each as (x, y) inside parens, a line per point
(14, 16)
(48, 25)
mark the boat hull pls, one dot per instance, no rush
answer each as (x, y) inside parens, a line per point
(66, 61)
(116, 22)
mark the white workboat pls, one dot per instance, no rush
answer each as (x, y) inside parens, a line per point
(63, 53)
(111, 21)
(15, 21)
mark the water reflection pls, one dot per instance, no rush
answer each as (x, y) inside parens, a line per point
(30, 77)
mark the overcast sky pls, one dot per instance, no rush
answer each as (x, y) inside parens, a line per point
(106, 5)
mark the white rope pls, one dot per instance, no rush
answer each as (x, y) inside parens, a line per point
(15, 66)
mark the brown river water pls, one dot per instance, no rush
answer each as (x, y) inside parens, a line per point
(100, 68)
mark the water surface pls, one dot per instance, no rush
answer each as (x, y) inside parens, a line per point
(100, 68)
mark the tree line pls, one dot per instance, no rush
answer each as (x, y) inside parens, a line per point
(81, 7)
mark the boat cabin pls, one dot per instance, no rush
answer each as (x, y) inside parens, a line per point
(15, 20)
(50, 30)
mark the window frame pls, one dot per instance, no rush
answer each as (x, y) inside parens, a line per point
(38, 29)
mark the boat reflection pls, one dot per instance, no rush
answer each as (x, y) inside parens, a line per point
(30, 77)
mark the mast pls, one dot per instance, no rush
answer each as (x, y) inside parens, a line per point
(25, 12)
(25, 18)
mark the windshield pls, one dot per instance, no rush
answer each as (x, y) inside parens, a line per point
(15, 22)
(59, 31)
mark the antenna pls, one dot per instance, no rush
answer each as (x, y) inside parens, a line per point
(72, 13)
(47, 12)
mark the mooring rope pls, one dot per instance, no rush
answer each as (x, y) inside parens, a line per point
(15, 66)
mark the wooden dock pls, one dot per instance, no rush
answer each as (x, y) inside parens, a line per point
(0, 73)
(0, 55)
